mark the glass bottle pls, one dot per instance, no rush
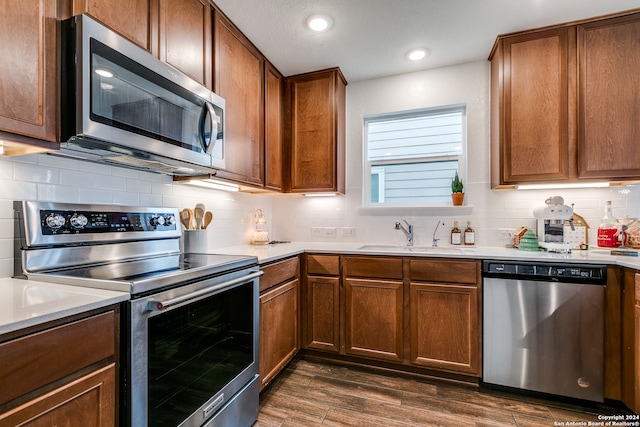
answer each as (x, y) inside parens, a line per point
(456, 234)
(607, 230)
(469, 235)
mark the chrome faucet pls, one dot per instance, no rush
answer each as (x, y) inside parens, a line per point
(435, 241)
(407, 231)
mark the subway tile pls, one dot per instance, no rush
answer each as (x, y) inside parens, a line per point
(96, 196)
(36, 173)
(58, 193)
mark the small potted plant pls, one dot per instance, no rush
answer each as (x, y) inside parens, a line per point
(457, 195)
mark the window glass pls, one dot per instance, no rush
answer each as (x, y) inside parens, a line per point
(411, 157)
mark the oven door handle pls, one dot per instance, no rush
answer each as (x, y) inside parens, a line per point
(163, 305)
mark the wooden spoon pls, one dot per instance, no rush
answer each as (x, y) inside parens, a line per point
(198, 213)
(208, 217)
(185, 218)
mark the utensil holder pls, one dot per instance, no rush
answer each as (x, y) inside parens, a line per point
(194, 241)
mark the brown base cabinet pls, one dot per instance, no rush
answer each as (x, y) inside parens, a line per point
(636, 379)
(374, 312)
(445, 315)
(411, 313)
(279, 317)
(631, 340)
(87, 401)
(323, 313)
(444, 327)
(374, 307)
(64, 374)
(323, 304)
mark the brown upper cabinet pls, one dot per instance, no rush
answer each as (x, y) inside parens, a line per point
(534, 120)
(133, 19)
(178, 32)
(562, 102)
(185, 38)
(609, 103)
(315, 126)
(273, 126)
(28, 46)
(239, 79)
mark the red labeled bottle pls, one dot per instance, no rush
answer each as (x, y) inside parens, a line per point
(608, 231)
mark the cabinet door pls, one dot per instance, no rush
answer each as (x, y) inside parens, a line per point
(535, 109)
(87, 401)
(239, 71)
(273, 151)
(636, 378)
(28, 68)
(131, 18)
(373, 319)
(635, 404)
(445, 327)
(278, 329)
(609, 84)
(185, 34)
(317, 131)
(323, 313)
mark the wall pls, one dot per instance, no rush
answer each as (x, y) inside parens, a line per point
(489, 210)
(48, 178)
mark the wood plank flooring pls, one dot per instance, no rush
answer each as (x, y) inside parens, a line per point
(312, 393)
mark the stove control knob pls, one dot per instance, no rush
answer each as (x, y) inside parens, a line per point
(55, 221)
(157, 220)
(78, 220)
(169, 220)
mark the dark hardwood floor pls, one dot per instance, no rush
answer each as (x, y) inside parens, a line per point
(312, 393)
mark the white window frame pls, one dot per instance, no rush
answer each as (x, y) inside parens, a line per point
(368, 165)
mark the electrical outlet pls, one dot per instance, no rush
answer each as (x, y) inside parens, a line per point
(330, 232)
(505, 233)
(317, 231)
(348, 231)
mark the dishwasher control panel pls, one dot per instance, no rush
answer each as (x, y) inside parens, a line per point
(545, 271)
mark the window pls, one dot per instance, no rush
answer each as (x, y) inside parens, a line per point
(410, 157)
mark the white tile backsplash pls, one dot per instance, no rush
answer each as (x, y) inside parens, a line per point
(86, 182)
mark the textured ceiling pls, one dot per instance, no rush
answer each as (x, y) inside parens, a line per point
(370, 38)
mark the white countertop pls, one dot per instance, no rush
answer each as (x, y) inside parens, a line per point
(25, 303)
(268, 253)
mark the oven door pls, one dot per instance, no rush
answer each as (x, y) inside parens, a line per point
(191, 350)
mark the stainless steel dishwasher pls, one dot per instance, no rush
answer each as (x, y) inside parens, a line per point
(543, 327)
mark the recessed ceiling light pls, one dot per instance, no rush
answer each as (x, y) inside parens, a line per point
(417, 54)
(319, 23)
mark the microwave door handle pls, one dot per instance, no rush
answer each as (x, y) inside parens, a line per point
(208, 112)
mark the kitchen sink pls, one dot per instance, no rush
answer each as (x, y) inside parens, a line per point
(416, 249)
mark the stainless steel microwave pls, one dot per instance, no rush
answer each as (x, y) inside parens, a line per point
(122, 106)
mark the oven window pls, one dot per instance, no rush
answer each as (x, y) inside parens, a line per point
(195, 350)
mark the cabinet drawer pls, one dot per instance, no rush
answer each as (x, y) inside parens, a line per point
(36, 360)
(384, 268)
(278, 272)
(323, 264)
(446, 271)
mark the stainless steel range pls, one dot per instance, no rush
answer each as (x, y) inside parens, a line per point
(190, 344)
